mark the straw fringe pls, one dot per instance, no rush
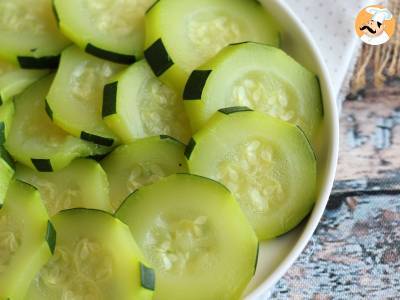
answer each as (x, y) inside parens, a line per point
(384, 60)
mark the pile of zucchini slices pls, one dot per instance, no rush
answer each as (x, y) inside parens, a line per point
(147, 147)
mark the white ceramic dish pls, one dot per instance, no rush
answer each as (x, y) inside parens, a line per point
(278, 255)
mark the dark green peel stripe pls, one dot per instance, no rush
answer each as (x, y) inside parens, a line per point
(257, 255)
(235, 109)
(189, 148)
(158, 58)
(99, 140)
(42, 165)
(151, 7)
(48, 109)
(239, 43)
(109, 55)
(2, 133)
(308, 142)
(1, 206)
(195, 84)
(320, 95)
(45, 62)
(98, 157)
(1, 100)
(147, 277)
(53, 7)
(51, 237)
(110, 99)
(6, 157)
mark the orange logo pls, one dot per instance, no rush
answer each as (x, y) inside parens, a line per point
(375, 25)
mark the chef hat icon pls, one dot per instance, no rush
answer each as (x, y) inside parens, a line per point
(379, 14)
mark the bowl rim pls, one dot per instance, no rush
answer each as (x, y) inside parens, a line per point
(332, 159)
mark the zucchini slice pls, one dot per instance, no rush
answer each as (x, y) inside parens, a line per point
(7, 111)
(75, 97)
(27, 240)
(258, 76)
(83, 183)
(95, 258)
(268, 164)
(109, 29)
(29, 36)
(136, 105)
(6, 172)
(193, 232)
(182, 35)
(14, 80)
(141, 163)
(34, 140)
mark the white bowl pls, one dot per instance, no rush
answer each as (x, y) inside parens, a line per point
(278, 255)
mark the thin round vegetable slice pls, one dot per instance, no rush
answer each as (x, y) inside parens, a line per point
(75, 97)
(136, 105)
(95, 258)
(6, 172)
(258, 76)
(193, 232)
(109, 29)
(143, 162)
(83, 183)
(182, 35)
(268, 164)
(14, 80)
(34, 140)
(27, 240)
(29, 36)
(7, 111)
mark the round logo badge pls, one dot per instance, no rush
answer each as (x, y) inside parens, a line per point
(375, 25)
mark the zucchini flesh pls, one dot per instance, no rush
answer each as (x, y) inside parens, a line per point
(136, 105)
(75, 97)
(83, 183)
(267, 163)
(258, 76)
(182, 35)
(29, 36)
(14, 80)
(34, 140)
(142, 162)
(95, 258)
(108, 29)
(7, 111)
(27, 240)
(196, 253)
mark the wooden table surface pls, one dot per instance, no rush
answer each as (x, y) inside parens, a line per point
(355, 252)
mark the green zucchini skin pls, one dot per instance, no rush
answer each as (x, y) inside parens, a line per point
(268, 164)
(260, 77)
(109, 264)
(188, 209)
(183, 35)
(24, 221)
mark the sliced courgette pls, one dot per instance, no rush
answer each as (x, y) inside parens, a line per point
(268, 164)
(143, 162)
(95, 258)
(258, 76)
(7, 111)
(6, 172)
(27, 240)
(34, 140)
(83, 183)
(182, 35)
(29, 36)
(136, 105)
(75, 97)
(111, 30)
(14, 80)
(193, 232)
